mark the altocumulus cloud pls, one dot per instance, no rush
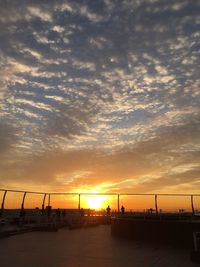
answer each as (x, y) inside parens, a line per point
(100, 93)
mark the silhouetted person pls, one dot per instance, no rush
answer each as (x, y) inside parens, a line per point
(82, 212)
(122, 209)
(89, 212)
(58, 212)
(151, 210)
(48, 208)
(64, 213)
(108, 210)
(22, 213)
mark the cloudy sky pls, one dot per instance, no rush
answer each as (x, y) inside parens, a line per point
(100, 95)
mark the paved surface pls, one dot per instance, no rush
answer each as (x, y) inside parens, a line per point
(84, 248)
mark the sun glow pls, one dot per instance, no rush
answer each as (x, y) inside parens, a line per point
(92, 201)
(95, 202)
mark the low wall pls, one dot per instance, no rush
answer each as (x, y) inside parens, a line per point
(163, 231)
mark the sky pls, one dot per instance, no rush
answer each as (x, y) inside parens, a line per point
(100, 96)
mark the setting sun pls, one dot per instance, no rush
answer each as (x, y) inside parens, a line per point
(96, 202)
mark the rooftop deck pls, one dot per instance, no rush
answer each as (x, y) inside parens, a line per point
(86, 247)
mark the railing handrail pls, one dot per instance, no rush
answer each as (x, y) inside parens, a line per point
(98, 193)
(79, 194)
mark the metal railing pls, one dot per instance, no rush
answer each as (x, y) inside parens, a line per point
(118, 195)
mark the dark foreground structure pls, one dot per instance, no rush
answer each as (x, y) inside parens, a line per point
(87, 247)
(152, 228)
(169, 230)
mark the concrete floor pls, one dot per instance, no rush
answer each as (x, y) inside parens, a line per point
(84, 248)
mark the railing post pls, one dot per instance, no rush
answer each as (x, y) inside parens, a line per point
(3, 201)
(23, 200)
(192, 205)
(156, 204)
(118, 205)
(22, 212)
(49, 200)
(43, 202)
(79, 201)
